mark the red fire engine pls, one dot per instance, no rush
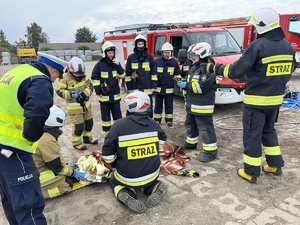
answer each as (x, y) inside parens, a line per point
(225, 49)
(244, 33)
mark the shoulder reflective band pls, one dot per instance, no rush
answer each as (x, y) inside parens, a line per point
(210, 147)
(109, 158)
(146, 66)
(272, 151)
(154, 77)
(104, 74)
(202, 109)
(138, 139)
(252, 161)
(263, 100)
(169, 90)
(171, 70)
(279, 69)
(160, 69)
(277, 58)
(191, 141)
(142, 151)
(226, 71)
(134, 66)
(186, 68)
(134, 182)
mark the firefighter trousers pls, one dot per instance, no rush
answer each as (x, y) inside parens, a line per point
(108, 109)
(147, 189)
(161, 101)
(201, 125)
(259, 132)
(20, 191)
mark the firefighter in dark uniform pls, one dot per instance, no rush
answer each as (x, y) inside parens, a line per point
(139, 70)
(105, 77)
(268, 64)
(184, 63)
(167, 70)
(200, 101)
(26, 95)
(132, 148)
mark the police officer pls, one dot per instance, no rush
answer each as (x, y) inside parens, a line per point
(132, 148)
(105, 77)
(26, 95)
(167, 70)
(268, 64)
(140, 74)
(56, 177)
(76, 89)
(200, 101)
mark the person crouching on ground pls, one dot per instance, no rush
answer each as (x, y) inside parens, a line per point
(132, 148)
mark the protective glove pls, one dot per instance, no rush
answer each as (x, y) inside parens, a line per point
(105, 88)
(82, 97)
(75, 94)
(79, 175)
(182, 84)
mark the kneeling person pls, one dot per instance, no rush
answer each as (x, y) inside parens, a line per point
(132, 148)
(56, 178)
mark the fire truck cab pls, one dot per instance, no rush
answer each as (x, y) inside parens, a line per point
(225, 50)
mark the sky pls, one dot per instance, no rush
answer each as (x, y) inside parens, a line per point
(61, 18)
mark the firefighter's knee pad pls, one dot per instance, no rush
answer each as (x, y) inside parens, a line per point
(78, 129)
(89, 124)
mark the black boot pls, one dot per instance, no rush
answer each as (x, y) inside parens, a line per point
(129, 199)
(155, 197)
(208, 156)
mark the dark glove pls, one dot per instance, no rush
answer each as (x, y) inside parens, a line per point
(82, 98)
(105, 88)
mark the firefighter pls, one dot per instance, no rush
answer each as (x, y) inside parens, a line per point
(56, 177)
(268, 64)
(139, 70)
(200, 101)
(184, 63)
(26, 95)
(132, 148)
(105, 76)
(167, 70)
(76, 89)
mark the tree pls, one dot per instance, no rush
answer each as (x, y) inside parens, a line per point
(84, 34)
(35, 36)
(5, 46)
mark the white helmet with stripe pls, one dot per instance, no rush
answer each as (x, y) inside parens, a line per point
(108, 46)
(202, 49)
(265, 20)
(140, 37)
(76, 67)
(56, 117)
(167, 47)
(137, 101)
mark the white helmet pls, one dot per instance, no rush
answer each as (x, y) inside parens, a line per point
(56, 117)
(137, 101)
(107, 46)
(76, 67)
(202, 49)
(167, 47)
(140, 37)
(264, 20)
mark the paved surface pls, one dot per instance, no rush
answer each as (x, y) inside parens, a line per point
(217, 197)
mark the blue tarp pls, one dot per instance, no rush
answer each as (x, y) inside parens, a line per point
(292, 100)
